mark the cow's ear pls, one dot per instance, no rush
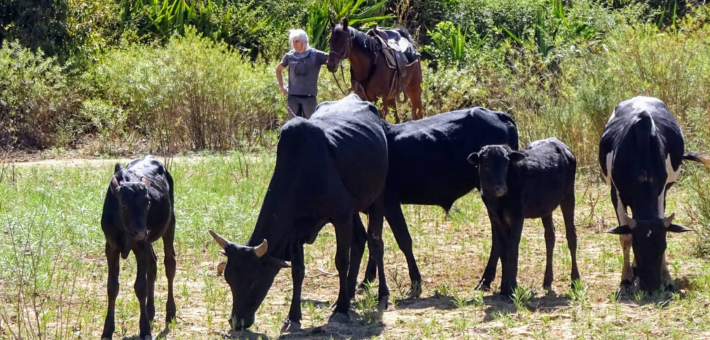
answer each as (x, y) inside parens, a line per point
(114, 186)
(516, 157)
(677, 228)
(277, 262)
(473, 158)
(620, 230)
(220, 268)
(118, 167)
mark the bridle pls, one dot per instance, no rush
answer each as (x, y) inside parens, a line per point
(341, 57)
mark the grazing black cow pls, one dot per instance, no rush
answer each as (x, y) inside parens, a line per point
(528, 184)
(428, 166)
(328, 169)
(640, 154)
(138, 210)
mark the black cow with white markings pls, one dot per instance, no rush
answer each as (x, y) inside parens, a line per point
(516, 185)
(640, 154)
(328, 169)
(138, 210)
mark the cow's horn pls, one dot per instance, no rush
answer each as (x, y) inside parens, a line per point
(260, 250)
(219, 239)
(668, 220)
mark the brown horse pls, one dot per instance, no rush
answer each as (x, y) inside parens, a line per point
(370, 77)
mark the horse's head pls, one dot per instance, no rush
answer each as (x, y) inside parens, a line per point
(340, 44)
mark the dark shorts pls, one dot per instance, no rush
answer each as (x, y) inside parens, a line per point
(302, 106)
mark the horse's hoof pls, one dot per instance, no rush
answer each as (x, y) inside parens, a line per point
(147, 337)
(290, 326)
(339, 318)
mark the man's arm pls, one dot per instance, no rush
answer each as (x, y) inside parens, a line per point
(321, 57)
(279, 74)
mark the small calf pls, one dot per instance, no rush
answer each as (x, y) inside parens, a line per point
(138, 210)
(528, 184)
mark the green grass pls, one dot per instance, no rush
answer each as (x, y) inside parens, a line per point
(53, 272)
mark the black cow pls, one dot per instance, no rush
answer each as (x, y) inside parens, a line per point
(328, 169)
(528, 184)
(640, 154)
(428, 166)
(138, 210)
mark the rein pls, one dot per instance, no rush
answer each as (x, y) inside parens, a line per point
(356, 84)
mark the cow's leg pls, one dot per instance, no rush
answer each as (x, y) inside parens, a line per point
(356, 252)
(143, 255)
(489, 273)
(170, 268)
(298, 271)
(152, 273)
(567, 207)
(395, 217)
(509, 255)
(377, 248)
(343, 235)
(550, 248)
(627, 275)
(112, 258)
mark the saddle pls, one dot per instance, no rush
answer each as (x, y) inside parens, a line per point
(399, 52)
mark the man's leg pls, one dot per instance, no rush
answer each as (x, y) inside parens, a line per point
(309, 105)
(293, 105)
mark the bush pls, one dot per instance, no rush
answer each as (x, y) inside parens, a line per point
(36, 104)
(192, 94)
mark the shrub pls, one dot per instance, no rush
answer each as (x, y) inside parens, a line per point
(35, 100)
(191, 94)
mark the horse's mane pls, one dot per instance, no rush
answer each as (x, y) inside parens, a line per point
(364, 43)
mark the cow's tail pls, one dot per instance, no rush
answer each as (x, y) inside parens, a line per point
(513, 137)
(643, 130)
(697, 157)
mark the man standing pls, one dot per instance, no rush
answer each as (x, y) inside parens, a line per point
(303, 64)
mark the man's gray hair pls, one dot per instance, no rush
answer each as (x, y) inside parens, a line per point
(297, 34)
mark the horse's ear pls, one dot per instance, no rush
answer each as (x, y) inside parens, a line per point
(344, 22)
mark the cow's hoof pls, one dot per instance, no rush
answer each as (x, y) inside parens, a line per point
(415, 291)
(626, 286)
(483, 287)
(146, 337)
(290, 326)
(383, 303)
(339, 318)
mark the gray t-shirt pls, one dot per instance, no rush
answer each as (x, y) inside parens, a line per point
(303, 72)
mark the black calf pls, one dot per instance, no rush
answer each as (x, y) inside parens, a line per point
(138, 210)
(528, 184)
